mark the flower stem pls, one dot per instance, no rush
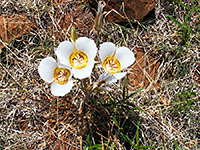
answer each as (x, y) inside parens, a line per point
(85, 89)
(97, 41)
(82, 105)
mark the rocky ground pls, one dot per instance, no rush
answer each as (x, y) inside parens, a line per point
(155, 107)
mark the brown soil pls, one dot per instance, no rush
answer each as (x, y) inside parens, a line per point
(144, 71)
(12, 27)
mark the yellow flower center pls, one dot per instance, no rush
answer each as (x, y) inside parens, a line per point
(78, 60)
(112, 65)
(61, 75)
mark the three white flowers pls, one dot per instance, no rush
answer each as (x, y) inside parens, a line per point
(76, 59)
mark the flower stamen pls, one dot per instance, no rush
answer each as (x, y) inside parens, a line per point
(78, 60)
(61, 75)
(112, 65)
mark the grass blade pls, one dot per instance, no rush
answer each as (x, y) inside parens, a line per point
(137, 134)
(176, 21)
(176, 145)
(183, 5)
(135, 93)
(124, 87)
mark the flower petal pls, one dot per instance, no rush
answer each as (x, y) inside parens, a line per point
(120, 75)
(84, 72)
(104, 81)
(63, 52)
(86, 45)
(109, 78)
(125, 56)
(61, 90)
(106, 49)
(46, 69)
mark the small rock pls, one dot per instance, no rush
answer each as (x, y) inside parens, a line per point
(133, 9)
(144, 72)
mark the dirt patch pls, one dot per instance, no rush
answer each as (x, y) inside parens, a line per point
(144, 71)
(12, 27)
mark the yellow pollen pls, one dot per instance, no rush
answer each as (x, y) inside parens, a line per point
(78, 60)
(112, 65)
(61, 75)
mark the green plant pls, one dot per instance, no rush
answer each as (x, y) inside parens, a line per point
(135, 144)
(176, 146)
(125, 103)
(121, 119)
(186, 31)
(90, 145)
(185, 100)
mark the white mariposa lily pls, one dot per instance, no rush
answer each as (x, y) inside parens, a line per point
(79, 55)
(57, 74)
(114, 60)
(104, 81)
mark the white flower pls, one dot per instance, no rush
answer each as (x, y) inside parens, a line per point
(104, 81)
(57, 74)
(114, 59)
(79, 55)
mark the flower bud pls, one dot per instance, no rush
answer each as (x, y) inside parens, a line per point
(99, 15)
(74, 35)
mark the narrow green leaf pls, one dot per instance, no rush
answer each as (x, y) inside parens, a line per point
(192, 4)
(187, 17)
(138, 108)
(88, 140)
(115, 121)
(135, 93)
(146, 147)
(194, 107)
(176, 21)
(191, 101)
(124, 87)
(161, 48)
(129, 140)
(183, 5)
(198, 9)
(137, 133)
(97, 146)
(176, 145)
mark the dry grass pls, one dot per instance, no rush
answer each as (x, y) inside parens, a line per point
(32, 118)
